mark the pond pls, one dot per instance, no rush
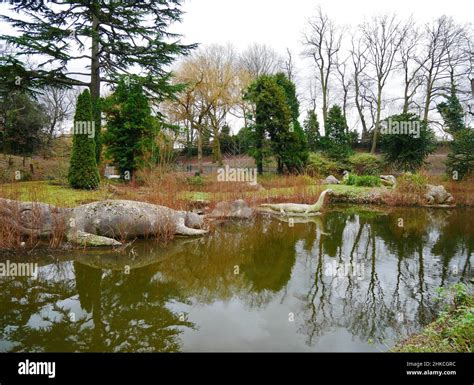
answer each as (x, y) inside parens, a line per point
(353, 279)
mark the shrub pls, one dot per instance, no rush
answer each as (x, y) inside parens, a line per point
(365, 164)
(407, 151)
(336, 143)
(196, 180)
(320, 165)
(363, 180)
(461, 158)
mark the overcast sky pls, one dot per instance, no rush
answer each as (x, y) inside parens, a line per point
(280, 23)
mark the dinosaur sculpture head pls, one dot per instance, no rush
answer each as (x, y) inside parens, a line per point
(194, 220)
(26, 217)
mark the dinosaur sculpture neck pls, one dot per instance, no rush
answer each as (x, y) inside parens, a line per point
(319, 204)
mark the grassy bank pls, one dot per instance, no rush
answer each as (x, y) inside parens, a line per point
(453, 331)
(180, 190)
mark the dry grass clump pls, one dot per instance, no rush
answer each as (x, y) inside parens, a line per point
(462, 190)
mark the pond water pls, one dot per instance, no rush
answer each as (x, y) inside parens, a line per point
(351, 280)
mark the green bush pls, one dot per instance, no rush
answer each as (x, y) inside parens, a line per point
(320, 165)
(336, 143)
(196, 180)
(406, 151)
(365, 164)
(461, 158)
(363, 180)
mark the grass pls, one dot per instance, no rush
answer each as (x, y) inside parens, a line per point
(51, 193)
(453, 331)
(175, 190)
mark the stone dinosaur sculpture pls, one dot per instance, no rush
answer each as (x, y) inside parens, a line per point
(99, 223)
(295, 209)
(437, 195)
(388, 180)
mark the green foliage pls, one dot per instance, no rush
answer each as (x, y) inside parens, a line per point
(24, 121)
(461, 157)
(130, 126)
(136, 36)
(320, 165)
(407, 151)
(311, 130)
(363, 180)
(276, 106)
(452, 113)
(196, 181)
(336, 142)
(83, 172)
(364, 163)
(453, 331)
(295, 153)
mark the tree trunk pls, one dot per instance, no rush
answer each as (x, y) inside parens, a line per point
(95, 81)
(200, 151)
(216, 147)
(377, 121)
(428, 97)
(361, 113)
(259, 155)
(406, 102)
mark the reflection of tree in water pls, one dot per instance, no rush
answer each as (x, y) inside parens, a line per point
(272, 259)
(456, 236)
(251, 262)
(407, 243)
(370, 308)
(123, 313)
(334, 225)
(21, 298)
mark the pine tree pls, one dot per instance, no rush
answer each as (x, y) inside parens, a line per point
(460, 160)
(130, 125)
(452, 112)
(272, 116)
(276, 109)
(311, 130)
(405, 151)
(295, 154)
(83, 172)
(336, 141)
(114, 35)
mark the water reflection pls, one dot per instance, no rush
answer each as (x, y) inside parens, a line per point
(262, 286)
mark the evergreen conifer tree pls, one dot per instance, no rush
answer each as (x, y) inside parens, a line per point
(83, 172)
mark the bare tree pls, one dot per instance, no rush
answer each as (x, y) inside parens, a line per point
(323, 42)
(346, 82)
(212, 92)
(289, 66)
(59, 104)
(359, 62)
(443, 39)
(383, 37)
(411, 64)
